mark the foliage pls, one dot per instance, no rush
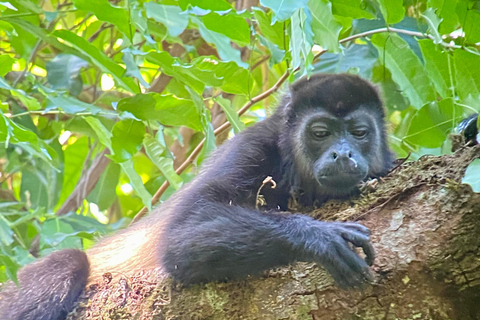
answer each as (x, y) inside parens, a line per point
(80, 79)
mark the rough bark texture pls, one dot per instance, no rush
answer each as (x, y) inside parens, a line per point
(426, 232)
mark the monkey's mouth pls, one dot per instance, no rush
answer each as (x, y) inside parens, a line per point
(341, 181)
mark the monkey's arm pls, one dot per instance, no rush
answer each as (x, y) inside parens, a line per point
(210, 241)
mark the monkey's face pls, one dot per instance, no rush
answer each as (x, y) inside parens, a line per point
(340, 148)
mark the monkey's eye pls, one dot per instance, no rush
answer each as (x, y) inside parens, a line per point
(320, 133)
(360, 133)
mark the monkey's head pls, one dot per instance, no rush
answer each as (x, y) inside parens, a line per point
(336, 129)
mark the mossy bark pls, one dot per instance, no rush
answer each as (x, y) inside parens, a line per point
(425, 229)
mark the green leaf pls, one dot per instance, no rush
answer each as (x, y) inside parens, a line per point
(466, 74)
(392, 10)
(406, 68)
(11, 267)
(444, 10)
(274, 32)
(170, 16)
(137, 183)
(176, 111)
(127, 138)
(30, 102)
(240, 30)
(63, 73)
(155, 152)
(350, 8)
(221, 42)
(10, 132)
(74, 159)
(106, 12)
(324, 26)
(472, 175)
(214, 5)
(6, 234)
(232, 116)
(469, 19)
(98, 58)
(301, 42)
(72, 105)
(132, 68)
(103, 134)
(431, 124)
(433, 22)
(436, 63)
(6, 63)
(172, 67)
(104, 193)
(283, 9)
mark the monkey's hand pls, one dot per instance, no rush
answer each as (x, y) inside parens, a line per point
(332, 245)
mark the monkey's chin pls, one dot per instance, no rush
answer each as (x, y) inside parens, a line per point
(341, 183)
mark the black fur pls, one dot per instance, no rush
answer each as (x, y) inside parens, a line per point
(211, 230)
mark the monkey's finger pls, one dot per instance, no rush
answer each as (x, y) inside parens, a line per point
(342, 273)
(355, 263)
(358, 227)
(361, 241)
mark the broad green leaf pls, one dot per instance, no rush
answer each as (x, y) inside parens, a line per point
(30, 102)
(172, 67)
(406, 68)
(324, 26)
(392, 10)
(176, 112)
(72, 105)
(276, 53)
(431, 124)
(132, 68)
(63, 73)
(214, 5)
(351, 8)
(104, 11)
(137, 183)
(469, 19)
(240, 31)
(433, 22)
(142, 106)
(98, 58)
(274, 32)
(466, 74)
(301, 42)
(436, 63)
(127, 138)
(104, 193)
(283, 9)
(6, 63)
(155, 152)
(444, 10)
(74, 162)
(472, 175)
(6, 234)
(170, 16)
(103, 134)
(232, 116)
(233, 79)
(40, 33)
(221, 42)
(10, 132)
(11, 267)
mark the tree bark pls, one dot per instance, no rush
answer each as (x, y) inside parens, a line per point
(426, 232)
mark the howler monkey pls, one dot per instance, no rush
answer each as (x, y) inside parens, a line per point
(326, 136)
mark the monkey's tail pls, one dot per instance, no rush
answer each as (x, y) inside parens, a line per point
(47, 288)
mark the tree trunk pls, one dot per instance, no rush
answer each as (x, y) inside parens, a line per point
(426, 232)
